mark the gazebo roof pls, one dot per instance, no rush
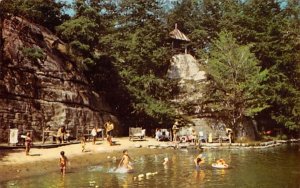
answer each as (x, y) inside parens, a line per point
(178, 35)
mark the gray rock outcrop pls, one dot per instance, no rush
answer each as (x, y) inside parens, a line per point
(40, 86)
(185, 67)
(191, 79)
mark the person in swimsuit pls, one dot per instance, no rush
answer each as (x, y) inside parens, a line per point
(125, 161)
(63, 163)
(27, 143)
(109, 126)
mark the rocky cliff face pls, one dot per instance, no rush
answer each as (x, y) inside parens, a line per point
(39, 86)
(191, 79)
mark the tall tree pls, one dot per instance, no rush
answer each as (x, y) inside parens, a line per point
(273, 29)
(234, 89)
(140, 48)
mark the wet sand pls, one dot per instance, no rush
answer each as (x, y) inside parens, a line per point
(15, 164)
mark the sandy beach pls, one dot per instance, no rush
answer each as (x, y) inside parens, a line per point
(15, 164)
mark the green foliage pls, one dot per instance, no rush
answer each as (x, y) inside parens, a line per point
(47, 13)
(272, 27)
(278, 48)
(124, 53)
(235, 81)
(33, 54)
(139, 45)
(82, 32)
(124, 50)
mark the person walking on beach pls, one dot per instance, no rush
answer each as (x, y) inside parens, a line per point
(175, 130)
(63, 163)
(125, 161)
(28, 141)
(109, 126)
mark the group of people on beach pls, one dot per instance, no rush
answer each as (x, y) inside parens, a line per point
(125, 161)
(108, 126)
(62, 133)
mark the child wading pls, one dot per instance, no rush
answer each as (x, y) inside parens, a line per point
(63, 163)
(125, 161)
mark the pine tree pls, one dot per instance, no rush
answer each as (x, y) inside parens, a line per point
(234, 89)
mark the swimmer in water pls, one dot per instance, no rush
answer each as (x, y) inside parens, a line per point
(221, 162)
(198, 160)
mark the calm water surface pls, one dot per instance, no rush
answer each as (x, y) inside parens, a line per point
(269, 168)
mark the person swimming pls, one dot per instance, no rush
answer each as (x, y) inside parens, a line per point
(199, 160)
(220, 163)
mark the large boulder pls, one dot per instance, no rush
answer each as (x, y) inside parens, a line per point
(40, 86)
(191, 79)
(185, 67)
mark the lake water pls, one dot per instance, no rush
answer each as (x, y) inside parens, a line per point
(267, 168)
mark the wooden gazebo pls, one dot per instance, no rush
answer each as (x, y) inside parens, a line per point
(179, 39)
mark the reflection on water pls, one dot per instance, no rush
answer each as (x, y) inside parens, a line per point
(274, 167)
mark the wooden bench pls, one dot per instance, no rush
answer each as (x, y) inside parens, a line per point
(136, 133)
(53, 134)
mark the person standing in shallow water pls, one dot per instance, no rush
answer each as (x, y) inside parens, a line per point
(28, 141)
(63, 163)
(125, 161)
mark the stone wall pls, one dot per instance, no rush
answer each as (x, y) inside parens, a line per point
(37, 92)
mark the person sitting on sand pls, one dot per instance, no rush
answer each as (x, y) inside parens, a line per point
(28, 141)
(63, 163)
(198, 160)
(125, 161)
(158, 134)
